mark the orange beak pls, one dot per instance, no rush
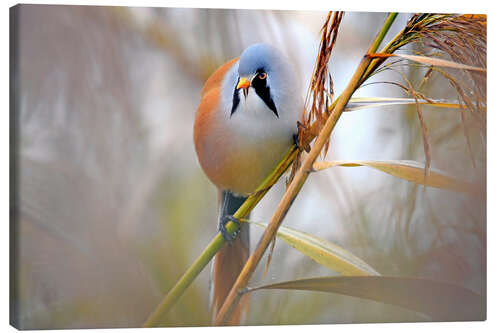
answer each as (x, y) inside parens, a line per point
(244, 83)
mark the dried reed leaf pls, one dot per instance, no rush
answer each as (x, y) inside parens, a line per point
(323, 252)
(429, 61)
(439, 300)
(409, 170)
(360, 103)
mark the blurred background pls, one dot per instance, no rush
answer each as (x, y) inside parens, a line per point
(112, 206)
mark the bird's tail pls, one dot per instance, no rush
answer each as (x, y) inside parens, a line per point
(229, 261)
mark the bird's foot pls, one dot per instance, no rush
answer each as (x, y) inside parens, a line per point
(296, 140)
(306, 137)
(229, 237)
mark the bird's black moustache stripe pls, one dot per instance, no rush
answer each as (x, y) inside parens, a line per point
(265, 95)
(236, 99)
(261, 89)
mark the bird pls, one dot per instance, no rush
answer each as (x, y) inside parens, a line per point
(245, 123)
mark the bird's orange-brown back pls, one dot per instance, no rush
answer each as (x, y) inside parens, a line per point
(207, 130)
(215, 80)
(230, 258)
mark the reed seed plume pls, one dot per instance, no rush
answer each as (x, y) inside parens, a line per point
(453, 46)
(320, 92)
(459, 38)
(463, 39)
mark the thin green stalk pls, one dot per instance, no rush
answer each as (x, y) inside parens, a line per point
(383, 31)
(218, 241)
(376, 62)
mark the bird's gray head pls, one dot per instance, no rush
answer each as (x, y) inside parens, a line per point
(263, 57)
(266, 70)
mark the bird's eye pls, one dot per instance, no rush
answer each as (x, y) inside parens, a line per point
(262, 76)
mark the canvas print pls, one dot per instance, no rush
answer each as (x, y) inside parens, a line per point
(206, 167)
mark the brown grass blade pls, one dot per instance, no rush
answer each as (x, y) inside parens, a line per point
(429, 61)
(360, 103)
(409, 170)
(323, 252)
(437, 299)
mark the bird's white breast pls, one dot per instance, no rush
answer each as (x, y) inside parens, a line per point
(254, 123)
(255, 141)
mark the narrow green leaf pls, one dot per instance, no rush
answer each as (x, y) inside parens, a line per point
(323, 252)
(440, 300)
(409, 170)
